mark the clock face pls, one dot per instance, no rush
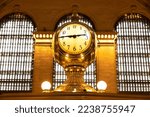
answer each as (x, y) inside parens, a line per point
(74, 38)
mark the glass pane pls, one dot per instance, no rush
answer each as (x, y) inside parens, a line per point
(133, 51)
(16, 52)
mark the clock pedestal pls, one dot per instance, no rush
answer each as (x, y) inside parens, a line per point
(75, 81)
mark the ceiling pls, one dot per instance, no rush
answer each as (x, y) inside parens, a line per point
(104, 13)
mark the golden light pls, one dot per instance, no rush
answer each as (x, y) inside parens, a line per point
(74, 90)
(58, 90)
(40, 35)
(66, 69)
(82, 56)
(98, 36)
(51, 35)
(67, 56)
(46, 86)
(112, 36)
(101, 85)
(102, 36)
(47, 36)
(37, 36)
(88, 90)
(44, 36)
(83, 69)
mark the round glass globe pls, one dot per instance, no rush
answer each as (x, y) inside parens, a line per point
(46, 85)
(101, 85)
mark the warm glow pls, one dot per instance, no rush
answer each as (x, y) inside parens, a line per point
(37, 36)
(74, 90)
(40, 35)
(101, 85)
(106, 41)
(102, 36)
(46, 41)
(113, 36)
(44, 36)
(82, 56)
(46, 85)
(47, 36)
(67, 55)
(51, 35)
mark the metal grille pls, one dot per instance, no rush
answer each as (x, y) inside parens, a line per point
(16, 52)
(59, 75)
(90, 75)
(133, 48)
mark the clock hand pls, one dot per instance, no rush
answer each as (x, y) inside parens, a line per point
(74, 36)
(68, 36)
(81, 35)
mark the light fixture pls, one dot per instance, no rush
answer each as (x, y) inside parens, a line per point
(101, 85)
(46, 86)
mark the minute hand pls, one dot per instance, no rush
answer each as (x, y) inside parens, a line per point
(80, 35)
(74, 36)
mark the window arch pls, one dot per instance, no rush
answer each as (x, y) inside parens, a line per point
(58, 72)
(68, 18)
(16, 52)
(133, 53)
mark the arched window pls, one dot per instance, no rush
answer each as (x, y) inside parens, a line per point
(58, 72)
(133, 51)
(16, 52)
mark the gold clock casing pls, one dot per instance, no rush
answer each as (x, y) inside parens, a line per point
(74, 62)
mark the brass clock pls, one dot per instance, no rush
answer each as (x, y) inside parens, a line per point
(74, 38)
(74, 50)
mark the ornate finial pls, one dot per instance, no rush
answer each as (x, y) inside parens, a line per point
(75, 16)
(75, 9)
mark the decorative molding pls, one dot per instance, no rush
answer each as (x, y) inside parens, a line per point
(43, 37)
(106, 38)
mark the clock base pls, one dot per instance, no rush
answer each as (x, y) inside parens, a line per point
(74, 88)
(75, 81)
